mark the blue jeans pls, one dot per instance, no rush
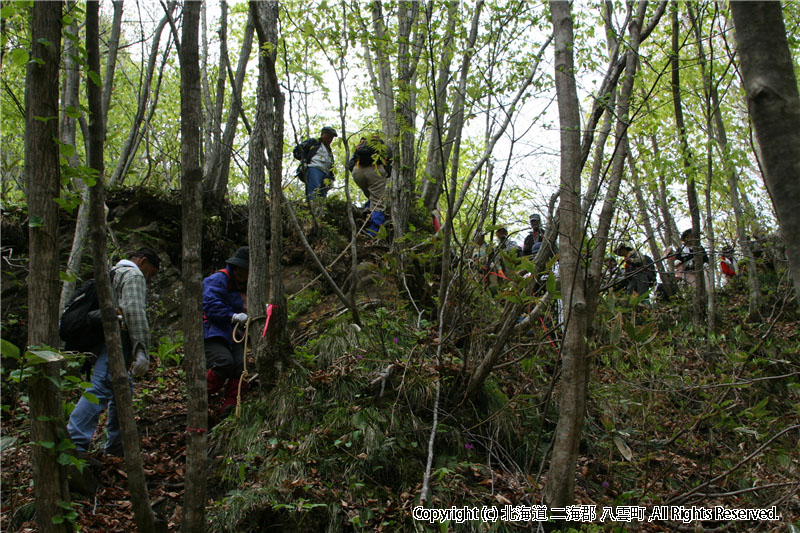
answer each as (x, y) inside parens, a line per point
(83, 420)
(315, 182)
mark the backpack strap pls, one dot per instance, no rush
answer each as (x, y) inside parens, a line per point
(227, 275)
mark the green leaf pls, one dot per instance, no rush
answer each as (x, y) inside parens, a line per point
(65, 444)
(8, 349)
(66, 205)
(67, 150)
(47, 444)
(36, 357)
(7, 11)
(95, 78)
(91, 397)
(64, 459)
(35, 222)
(551, 284)
(67, 277)
(57, 519)
(638, 334)
(19, 56)
(72, 112)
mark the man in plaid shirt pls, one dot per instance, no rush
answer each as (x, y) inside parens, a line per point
(130, 293)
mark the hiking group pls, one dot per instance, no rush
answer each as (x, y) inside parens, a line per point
(370, 165)
(224, 307)
(627, 270)
(224, 300)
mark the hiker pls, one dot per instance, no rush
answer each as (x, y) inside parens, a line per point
(316, 163)
(129, 291)
(684, 259)
(727, 265)
(612, 275)
(639, 272)
(224, 307)
(533, 241)
(478, 260)
(507, 245)
(371, 165)
(504, 246)
(479, 242)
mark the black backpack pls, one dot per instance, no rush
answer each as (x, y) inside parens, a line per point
(306, 150)
(75, 327)
(365, 154)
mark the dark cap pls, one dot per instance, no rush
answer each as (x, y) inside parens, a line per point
(241, 258)
(535, 216)
(149, 254)
(328, 129)
(622, 248)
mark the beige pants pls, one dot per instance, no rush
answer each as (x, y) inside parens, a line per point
(372, 181)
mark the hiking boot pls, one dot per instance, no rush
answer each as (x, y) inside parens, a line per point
(230, 396)
(115, 451)
(214, 382)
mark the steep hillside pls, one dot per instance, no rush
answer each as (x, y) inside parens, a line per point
(341, 443)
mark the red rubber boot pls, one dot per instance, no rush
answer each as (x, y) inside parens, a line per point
(230, 396)
(214, 382)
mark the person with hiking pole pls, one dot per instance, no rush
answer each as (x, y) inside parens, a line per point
(223, 308)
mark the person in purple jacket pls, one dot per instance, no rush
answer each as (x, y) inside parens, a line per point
(223, 307)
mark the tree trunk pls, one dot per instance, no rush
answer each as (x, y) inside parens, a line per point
(402, 186)
(560, 487)
(128, 151)
(442, 154)
(579, 287)
(608, 118)
(648, 227)
(111, 60)
(67, 135)
(711, 310)
(392, 111)
(774, 107)
(143, 513)
(699, 299)
(382, 85)
(192, 275)
(44, 180)
(214, 110)
(753, 282)
(438, 151)
(257, 229)
(275, 349)
(216, 181)
(82, 220)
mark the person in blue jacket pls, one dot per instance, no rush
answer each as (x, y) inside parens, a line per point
(223, 307)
